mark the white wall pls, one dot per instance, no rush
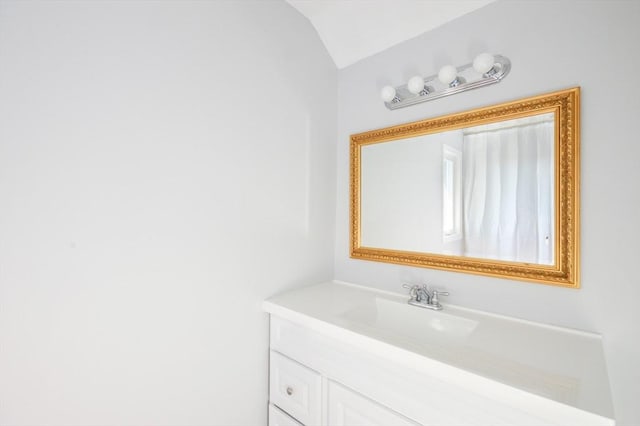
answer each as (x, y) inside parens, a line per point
(400, 182)
(401, 193)
(164, 166)
(552, 45)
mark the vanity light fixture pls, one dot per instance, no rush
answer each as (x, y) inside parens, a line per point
(484, 70)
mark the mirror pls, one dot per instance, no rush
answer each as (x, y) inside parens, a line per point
(492, 191)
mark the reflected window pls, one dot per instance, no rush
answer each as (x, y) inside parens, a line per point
(451, 194)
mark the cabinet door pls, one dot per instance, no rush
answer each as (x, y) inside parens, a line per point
(349, 408)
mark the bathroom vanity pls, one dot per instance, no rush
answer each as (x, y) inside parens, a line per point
(342, 354)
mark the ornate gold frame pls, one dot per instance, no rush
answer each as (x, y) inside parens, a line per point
(565, 270)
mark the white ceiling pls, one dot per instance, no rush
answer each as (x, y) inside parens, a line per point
(354, 29)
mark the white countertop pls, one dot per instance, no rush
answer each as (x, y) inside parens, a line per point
(562, 365)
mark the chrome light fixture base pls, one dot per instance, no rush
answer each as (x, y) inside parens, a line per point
(467, 78)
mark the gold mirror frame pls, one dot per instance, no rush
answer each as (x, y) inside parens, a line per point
(564, 272)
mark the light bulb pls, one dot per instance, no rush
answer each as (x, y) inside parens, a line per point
(448, 74)
(415, 84)
(388, 93)
(483, 63)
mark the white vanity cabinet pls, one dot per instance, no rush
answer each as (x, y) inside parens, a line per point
(343, 355)
(301, 396)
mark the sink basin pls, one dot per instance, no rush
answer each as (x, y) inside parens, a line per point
(410, 322)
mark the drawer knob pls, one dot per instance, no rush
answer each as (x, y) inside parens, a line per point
(289, 390)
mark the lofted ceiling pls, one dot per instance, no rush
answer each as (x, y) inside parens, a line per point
(354, 29)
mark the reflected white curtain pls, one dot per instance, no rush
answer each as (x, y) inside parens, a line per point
(508, 193)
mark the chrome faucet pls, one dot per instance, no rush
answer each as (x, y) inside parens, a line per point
(422, 297)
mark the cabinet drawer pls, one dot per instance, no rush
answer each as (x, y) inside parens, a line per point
(349, 408)
(295, 389)
(277, 417)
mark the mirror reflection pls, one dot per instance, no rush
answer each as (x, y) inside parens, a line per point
(484, 191)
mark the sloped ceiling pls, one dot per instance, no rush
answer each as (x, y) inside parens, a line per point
(354, 29)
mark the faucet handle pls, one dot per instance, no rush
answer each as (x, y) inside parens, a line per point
(413, 290)
(435, 294)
